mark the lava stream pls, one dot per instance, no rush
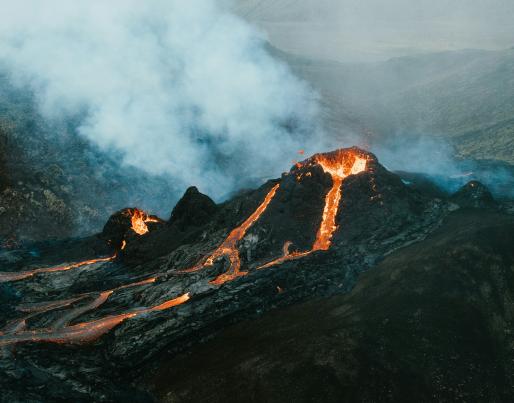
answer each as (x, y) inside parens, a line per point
(229, 246)
(16, 276)
(87, 331)
(339, 170)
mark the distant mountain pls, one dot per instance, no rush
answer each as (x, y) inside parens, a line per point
(466, 97)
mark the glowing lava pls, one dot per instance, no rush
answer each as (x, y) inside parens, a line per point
(339, 167)
(139, 219)
(15, 276)
(87, 331)
(229, 246)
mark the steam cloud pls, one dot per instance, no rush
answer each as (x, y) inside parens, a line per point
(182, 88)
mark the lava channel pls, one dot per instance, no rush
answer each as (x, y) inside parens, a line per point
(16, 276)
(338, 169)
(229, 246)
(87, 331)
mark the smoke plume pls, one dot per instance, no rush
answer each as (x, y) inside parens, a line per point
(181, 88)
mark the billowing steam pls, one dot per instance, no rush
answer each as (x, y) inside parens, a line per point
(182, 88)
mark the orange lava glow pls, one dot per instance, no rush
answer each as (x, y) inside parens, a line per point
(85, 332)
(139, 219)
(16, 276)
(339, 168)
(171, 303)
(339, 165)
(229, 246)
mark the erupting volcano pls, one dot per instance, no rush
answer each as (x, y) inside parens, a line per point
(338, 165)
(163, 284)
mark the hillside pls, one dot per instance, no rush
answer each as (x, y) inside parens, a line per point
(464, 97)
(431, 322)
(55, 184)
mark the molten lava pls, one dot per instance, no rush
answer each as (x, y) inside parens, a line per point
(339, 167)
(139, 219)
(229, 247)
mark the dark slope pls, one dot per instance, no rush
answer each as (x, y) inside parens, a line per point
(432, 322)
(462, 97)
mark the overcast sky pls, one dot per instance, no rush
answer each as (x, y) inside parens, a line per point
(352, 30)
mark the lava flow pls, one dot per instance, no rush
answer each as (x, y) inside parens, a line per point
(229, 246)
(87, 331)
(339, 168)
(139, 219)
(15, 276)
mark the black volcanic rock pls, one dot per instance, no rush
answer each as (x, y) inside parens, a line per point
(118, 225)
(194, 209)
(475, 195)
(376, 215)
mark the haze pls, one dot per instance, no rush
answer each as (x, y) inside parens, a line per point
(372, 30)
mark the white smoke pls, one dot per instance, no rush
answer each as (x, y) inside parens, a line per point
(182, 88)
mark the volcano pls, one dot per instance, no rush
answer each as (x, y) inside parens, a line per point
(93, 326)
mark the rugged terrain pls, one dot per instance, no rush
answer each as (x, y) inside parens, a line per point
(54, 183)
(110, 323)
(461, 98)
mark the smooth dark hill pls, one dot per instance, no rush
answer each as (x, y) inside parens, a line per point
(339, 281)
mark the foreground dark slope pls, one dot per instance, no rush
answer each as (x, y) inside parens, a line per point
(432, 322)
